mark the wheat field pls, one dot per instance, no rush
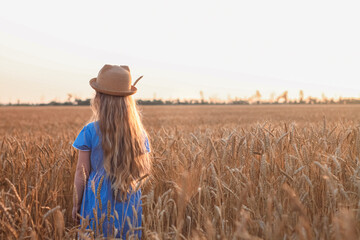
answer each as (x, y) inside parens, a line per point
(219, 172)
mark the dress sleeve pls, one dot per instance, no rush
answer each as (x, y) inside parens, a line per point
(83, 140)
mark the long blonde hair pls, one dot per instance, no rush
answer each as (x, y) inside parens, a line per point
(123, 141)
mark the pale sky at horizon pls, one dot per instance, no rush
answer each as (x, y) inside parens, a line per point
(223, 48)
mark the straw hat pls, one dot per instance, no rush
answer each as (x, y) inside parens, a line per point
(114, 80)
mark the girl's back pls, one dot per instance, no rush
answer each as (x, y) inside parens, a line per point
(98, 196)
(112, 159)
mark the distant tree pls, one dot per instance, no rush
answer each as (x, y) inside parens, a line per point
(255, 98)
(202, 97)
(272, 96)
(214, 99)
(257, 94)
(301, 96)
(69, 97)
(312, 100)
(324, 98)
(83, 102)
(284, 96)
(54, 103)
(240, 102)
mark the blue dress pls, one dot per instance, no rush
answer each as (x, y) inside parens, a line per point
(124, 217)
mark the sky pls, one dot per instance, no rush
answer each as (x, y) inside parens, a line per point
(226, 49)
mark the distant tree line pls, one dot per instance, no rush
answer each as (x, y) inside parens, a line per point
(253, 100)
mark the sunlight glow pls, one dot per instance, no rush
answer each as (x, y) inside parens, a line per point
(223, 48)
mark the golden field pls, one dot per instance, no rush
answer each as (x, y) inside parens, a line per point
(219, 172)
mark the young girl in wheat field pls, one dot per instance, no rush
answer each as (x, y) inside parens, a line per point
(113, 159)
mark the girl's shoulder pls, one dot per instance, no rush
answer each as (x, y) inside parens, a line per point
(92, 127)
(90, 124)
(87, 137)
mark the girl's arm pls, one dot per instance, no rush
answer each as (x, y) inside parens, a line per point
(80, 180)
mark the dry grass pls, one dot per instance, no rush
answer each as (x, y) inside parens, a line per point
(220, 172)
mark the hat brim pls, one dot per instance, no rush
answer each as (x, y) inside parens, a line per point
(97, 88)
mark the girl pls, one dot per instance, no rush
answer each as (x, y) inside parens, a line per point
(113, 158)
